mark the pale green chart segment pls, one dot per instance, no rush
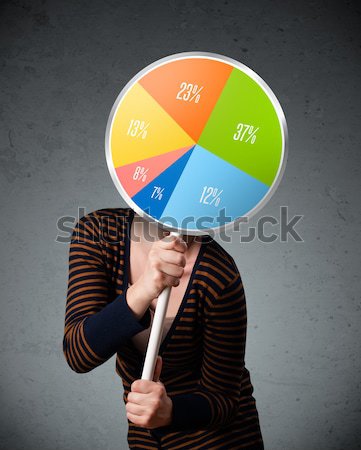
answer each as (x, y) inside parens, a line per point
(244, 129)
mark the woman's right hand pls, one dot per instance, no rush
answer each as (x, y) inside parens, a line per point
(164, 267)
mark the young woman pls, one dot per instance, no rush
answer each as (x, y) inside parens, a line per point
(201, 394)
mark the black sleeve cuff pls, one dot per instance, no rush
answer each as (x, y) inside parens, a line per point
(190, 412)
(106, 330)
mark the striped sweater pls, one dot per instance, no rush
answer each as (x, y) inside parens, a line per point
(203, 351)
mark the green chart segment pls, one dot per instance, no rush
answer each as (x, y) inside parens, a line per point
(244, 129)
(236, 158)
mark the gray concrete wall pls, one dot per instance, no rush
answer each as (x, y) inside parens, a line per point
(62, 66)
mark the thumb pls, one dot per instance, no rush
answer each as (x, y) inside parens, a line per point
(158, 368)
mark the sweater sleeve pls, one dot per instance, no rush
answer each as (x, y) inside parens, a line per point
(216, 399)
(95, 323)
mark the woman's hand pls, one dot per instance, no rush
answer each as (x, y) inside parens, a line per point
(148, 404)
(164, 267)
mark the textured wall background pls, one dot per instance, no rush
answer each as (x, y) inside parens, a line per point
(62, 66)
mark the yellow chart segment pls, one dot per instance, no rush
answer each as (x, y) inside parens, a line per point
(144, 129)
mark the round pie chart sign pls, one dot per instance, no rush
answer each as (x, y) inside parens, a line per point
(196, 141)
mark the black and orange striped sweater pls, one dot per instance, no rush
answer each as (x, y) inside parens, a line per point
(203, 351)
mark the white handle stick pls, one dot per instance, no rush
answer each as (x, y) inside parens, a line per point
(156, 331)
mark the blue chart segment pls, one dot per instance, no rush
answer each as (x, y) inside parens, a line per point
(207, 185)
(154, 197)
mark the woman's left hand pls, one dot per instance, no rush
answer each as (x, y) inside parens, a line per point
(148, 404)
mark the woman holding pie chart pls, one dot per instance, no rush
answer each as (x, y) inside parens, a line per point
(202, 392)
(194, 142)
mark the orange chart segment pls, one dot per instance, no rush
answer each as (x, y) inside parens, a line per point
(188, 90)
(134, 177)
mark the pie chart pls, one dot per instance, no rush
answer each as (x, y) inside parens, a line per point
(196, 141)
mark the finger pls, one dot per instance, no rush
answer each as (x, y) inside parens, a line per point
(136, 398)
(158, 368)
(171, 281)
(173, 243)
(170, 269)
(172, 257)
(133, 408)
(137, 420)
(142, 386)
